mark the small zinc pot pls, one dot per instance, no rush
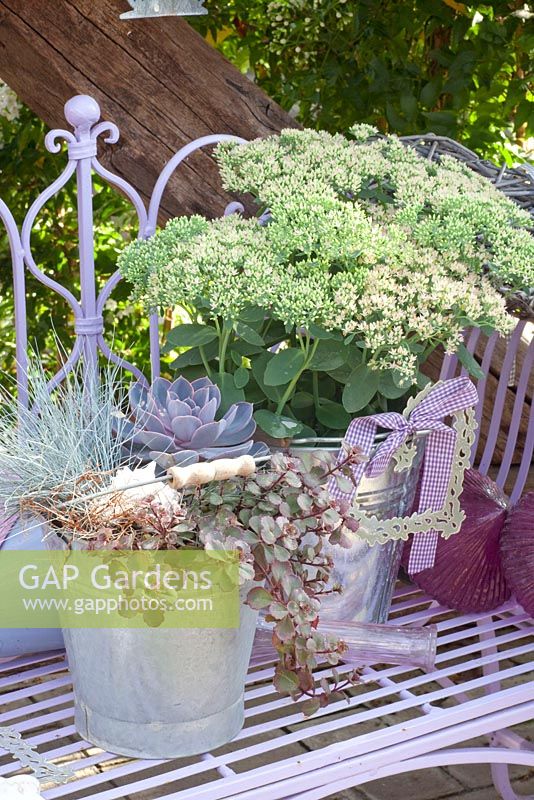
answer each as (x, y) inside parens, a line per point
(160, 693)
(367, 573)
(27, 533)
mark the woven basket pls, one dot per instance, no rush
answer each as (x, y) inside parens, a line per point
(516, 182)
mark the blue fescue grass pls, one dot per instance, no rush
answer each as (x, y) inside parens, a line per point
(67, 440)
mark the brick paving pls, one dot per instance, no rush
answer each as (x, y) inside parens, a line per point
(472, 782)
(468, 782)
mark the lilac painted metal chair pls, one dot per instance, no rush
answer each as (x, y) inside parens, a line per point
(481, 686)
(519, 378)
(509, 377)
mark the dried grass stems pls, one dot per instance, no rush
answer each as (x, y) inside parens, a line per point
(115, 520)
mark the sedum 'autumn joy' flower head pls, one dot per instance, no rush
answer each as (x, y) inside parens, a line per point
(362, 236)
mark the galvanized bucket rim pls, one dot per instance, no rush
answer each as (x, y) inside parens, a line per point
(333, 443)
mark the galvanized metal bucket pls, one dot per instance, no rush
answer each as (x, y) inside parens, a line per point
(160, 693)
(367, 573)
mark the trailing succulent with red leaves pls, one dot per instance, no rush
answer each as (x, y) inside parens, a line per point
(279, 519)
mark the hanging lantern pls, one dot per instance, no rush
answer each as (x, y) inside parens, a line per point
(164, 8)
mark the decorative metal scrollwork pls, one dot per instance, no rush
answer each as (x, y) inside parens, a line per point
(83, 114)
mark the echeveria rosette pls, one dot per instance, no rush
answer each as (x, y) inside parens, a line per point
(175, 423)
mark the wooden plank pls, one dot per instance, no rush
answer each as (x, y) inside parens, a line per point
(156, 78)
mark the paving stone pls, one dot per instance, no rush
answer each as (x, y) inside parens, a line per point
(472, 776)
(525, 784)
(475, 776)
(488, 793)
(426, 784)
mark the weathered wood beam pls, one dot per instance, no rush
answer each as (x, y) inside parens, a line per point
(157, 79)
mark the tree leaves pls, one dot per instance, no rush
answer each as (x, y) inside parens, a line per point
(466, 64)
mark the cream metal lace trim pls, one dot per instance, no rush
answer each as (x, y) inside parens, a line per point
(13, 743)
(447, 520)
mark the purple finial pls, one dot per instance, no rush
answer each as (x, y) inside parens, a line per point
(82, 112)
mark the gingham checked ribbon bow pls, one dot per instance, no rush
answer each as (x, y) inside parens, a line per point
(445, 399)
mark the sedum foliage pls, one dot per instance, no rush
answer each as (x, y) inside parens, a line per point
(368, 258)
(281, 520)
(458, 69)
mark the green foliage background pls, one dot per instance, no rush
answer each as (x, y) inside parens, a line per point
(407, 66)
(457, 69)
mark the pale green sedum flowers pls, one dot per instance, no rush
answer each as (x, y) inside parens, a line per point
(381, 249)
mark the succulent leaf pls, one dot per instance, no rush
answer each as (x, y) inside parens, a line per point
(208, 453)
(138, 394)
(182, 388)
(207, 435)
(207, 414)
(156, 441)
(177, 408)
(236, 435)
(185, 427)
(151, 422)
(159, 390)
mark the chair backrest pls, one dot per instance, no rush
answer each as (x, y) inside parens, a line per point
(505, 437)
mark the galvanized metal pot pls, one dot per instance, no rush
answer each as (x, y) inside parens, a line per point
(367, 573)
(160, 693)
(28, 533)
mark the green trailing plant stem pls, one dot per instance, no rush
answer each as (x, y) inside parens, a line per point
(309, 349)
